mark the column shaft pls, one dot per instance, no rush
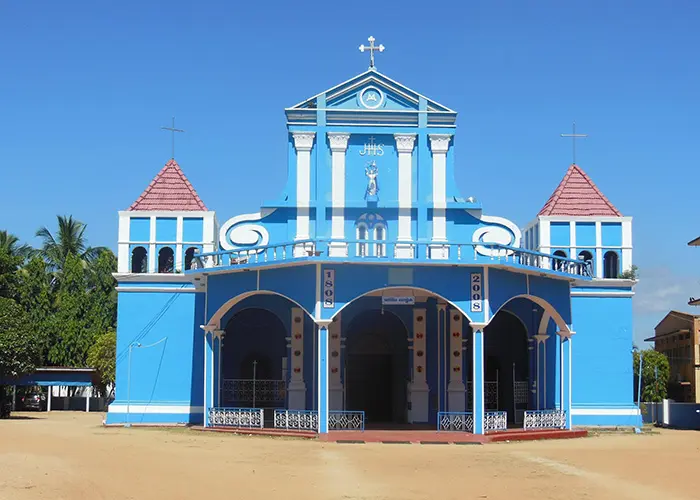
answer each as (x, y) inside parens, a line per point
(478, 380)
(323, 379)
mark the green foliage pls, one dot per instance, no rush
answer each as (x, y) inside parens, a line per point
(9, 243)
(35, 295)
(69, 240)
(102, 357)
(19, 353)
(8, 273)
(655, 375)
(630, 274)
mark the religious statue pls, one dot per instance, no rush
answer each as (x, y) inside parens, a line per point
(371, 172)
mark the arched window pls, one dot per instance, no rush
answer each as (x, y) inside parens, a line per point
(611, 266)
(587, 257)
(189, 257)
(166, 260)
(361, 236)
(139, 260)
(558, 264)
(379, 235)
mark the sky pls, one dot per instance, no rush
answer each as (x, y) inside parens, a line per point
(85, 87)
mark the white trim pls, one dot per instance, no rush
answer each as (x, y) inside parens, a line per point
(242, 232)
(152, 257)
(486, 304)
(179, 228)
(602, 294)
(339, 144)
(572, 239)
(605, 283)
(153, 277)
(609, 412)
(590, 218)
(303, 142)
(599, 249)
(155, 289)
(177, 409)
(141, 214)
(626, 262)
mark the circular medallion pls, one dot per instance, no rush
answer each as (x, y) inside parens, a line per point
(371, 97)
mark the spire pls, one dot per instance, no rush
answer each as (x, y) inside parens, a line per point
(577, 195)
(169, 191)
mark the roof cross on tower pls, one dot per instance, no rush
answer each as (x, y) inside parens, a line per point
(371, 47)
(574, 136)
(172, 130)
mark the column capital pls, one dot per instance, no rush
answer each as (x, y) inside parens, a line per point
(405, 142)
(219, 333)
(540, 337)
(478, 326)
(440, 143)
(209, 328)
(566, 334)
(303, 141)
(323, 323)
(338, 141)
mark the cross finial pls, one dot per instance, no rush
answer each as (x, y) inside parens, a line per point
(172, 129)
(574, 136)
(371, 47)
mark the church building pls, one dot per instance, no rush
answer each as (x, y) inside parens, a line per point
(371, 292)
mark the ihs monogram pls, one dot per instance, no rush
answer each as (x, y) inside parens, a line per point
(372, 149)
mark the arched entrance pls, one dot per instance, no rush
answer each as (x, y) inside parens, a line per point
(254, 360)
(507, 371)
(376, 367)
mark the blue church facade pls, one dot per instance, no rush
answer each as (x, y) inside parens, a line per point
(371, 289)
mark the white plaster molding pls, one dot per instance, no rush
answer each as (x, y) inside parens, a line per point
(572, 239)
(338, 141)
(152, 257)
(150, 409)
(626, 245)
(244, 236)
(496, 232)
(440, 143)
(608, 412)
(303, 141)
(157, 289)
(602, 294)
(405, 142)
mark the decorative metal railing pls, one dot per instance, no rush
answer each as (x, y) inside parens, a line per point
(254, 391)
(236, 417)
(544, 419)
(346, 420)
(307, 420)
(490, 395)
(479, 253)
(302, 420)
(495, 421)
(455, 421)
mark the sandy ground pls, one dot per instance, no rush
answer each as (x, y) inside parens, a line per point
(70, 456)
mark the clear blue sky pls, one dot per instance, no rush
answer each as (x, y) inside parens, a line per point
(85, 87)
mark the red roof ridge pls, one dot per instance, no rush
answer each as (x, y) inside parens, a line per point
(170, 190)
(577, 195)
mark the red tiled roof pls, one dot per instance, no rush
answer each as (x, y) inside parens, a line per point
(169, 191)
(577, 195)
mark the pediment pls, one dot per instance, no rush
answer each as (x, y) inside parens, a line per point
(371, 91)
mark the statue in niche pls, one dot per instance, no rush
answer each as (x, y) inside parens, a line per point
(371, 172)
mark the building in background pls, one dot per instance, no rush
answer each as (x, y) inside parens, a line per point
(678, 337)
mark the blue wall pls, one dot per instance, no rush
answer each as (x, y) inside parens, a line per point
(140, 229)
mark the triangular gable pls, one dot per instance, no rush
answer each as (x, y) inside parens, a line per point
(347, 90)
(169, 191)
(578, 196)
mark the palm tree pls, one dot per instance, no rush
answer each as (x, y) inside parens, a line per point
(70, 239)
(9, 243)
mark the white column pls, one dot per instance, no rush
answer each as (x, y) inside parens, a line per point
(541, 378)
(303, 142)
(598, 249)
(87, 399)
(544, 237)
(334, 362)
(179, 265)
(439, 144)
(48, 400)
(297, 387)
(626, 244)
(418, 389)
(124, 256)
(456, 390)
(152, 257)
(404, 146)
(339, 144)
(572, 240)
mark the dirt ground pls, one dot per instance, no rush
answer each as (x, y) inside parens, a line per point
(69, 455)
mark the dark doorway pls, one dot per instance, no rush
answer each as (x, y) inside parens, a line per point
(376, 370)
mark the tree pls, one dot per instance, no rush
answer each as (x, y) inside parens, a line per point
(8, 273)
(19, 354)
(655, 375)
(35, 295)
(10, 244)
(102, 357)
(69, 335)
(102, 294)
(630, 274)
(70, 240)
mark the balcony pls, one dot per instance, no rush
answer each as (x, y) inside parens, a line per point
(405, 252)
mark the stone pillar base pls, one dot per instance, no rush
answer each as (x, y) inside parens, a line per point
(403, 251)
(456, 396)
(419, 399)
(439, 251)
(336, 396)
(337, 249)
(296, 396)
